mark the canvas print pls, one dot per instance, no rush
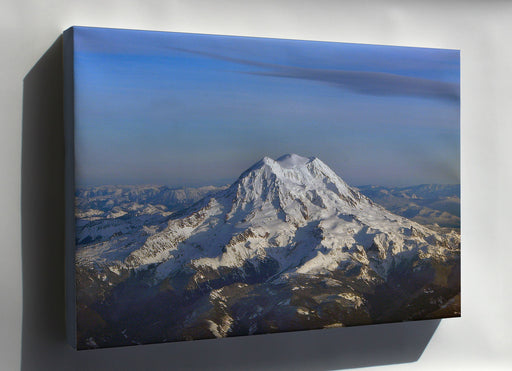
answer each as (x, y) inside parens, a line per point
(231, 186)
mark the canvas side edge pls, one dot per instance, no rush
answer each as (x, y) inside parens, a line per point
(69, 180)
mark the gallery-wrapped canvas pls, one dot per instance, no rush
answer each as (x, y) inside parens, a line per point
(222, 186)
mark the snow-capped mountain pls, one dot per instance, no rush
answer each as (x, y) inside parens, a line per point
(289, 245)
(295, 211)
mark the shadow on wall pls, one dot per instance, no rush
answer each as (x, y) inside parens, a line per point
(44, 345)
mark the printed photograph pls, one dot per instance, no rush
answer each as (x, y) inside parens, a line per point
(230, 186)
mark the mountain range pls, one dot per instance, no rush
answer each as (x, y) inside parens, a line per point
(434, 205)
(288, 246)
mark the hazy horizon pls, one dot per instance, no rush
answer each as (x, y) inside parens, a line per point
(190, 110)
(228, 182)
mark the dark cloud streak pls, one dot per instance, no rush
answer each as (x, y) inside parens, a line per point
(361, 82)
(373, 83)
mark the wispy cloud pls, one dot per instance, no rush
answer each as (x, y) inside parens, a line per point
(373, 83)
(361, 82)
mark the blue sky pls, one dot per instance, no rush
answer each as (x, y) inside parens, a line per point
(188, 110)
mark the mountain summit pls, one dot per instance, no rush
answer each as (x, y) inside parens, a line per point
(297, 188)
(289, 245)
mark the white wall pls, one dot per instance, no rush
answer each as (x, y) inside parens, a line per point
(482, 30)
